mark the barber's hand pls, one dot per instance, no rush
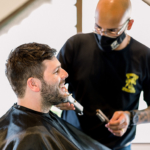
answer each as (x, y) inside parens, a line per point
(119, 123)
(65, 106)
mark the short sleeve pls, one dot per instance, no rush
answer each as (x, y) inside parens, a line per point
(146, 83)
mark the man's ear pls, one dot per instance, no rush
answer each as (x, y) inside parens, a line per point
(34, 84)
(130, 24)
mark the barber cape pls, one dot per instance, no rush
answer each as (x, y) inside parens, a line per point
(25, 129)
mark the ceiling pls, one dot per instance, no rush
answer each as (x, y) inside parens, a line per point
(7, 7)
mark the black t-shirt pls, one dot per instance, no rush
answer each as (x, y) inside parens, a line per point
(110, 81)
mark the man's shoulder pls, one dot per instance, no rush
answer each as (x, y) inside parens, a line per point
(138, 45)
(24, 132)
(16, 121)
(82, 36)
(31, 138)
(77, 43)
(4, 120)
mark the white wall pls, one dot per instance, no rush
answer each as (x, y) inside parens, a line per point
(144, 146)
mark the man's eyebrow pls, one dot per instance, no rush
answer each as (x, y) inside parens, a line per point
(57, 67)
(107, 29)
(98, 25)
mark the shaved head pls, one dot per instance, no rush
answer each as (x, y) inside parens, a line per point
(112, 13)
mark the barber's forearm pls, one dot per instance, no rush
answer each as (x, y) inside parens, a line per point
(143, 115)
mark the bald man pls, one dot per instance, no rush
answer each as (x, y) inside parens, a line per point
(108, 69)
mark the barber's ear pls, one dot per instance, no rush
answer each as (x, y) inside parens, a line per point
(130, 24)
(33, 84)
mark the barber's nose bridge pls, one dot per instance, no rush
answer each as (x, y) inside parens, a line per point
(102, 31)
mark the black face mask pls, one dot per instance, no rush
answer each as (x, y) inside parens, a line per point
(108, 44)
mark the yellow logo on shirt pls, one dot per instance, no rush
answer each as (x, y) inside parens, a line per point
(130, 82)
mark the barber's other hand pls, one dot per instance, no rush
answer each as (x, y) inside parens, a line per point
(65, 106)
(119, 123)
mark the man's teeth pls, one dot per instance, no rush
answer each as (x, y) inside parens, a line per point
(63, 89)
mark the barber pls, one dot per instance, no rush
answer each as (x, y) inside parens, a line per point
(108, 70)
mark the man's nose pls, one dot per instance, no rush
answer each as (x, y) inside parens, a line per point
(103, 32)
(64, 74)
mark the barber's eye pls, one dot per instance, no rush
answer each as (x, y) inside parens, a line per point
(111, 30)
(97, 27)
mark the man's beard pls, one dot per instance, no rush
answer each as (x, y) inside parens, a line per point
(50, 95)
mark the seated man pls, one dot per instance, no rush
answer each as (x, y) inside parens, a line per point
(38, 80)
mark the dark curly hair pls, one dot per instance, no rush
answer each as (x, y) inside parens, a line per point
(24, 62)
